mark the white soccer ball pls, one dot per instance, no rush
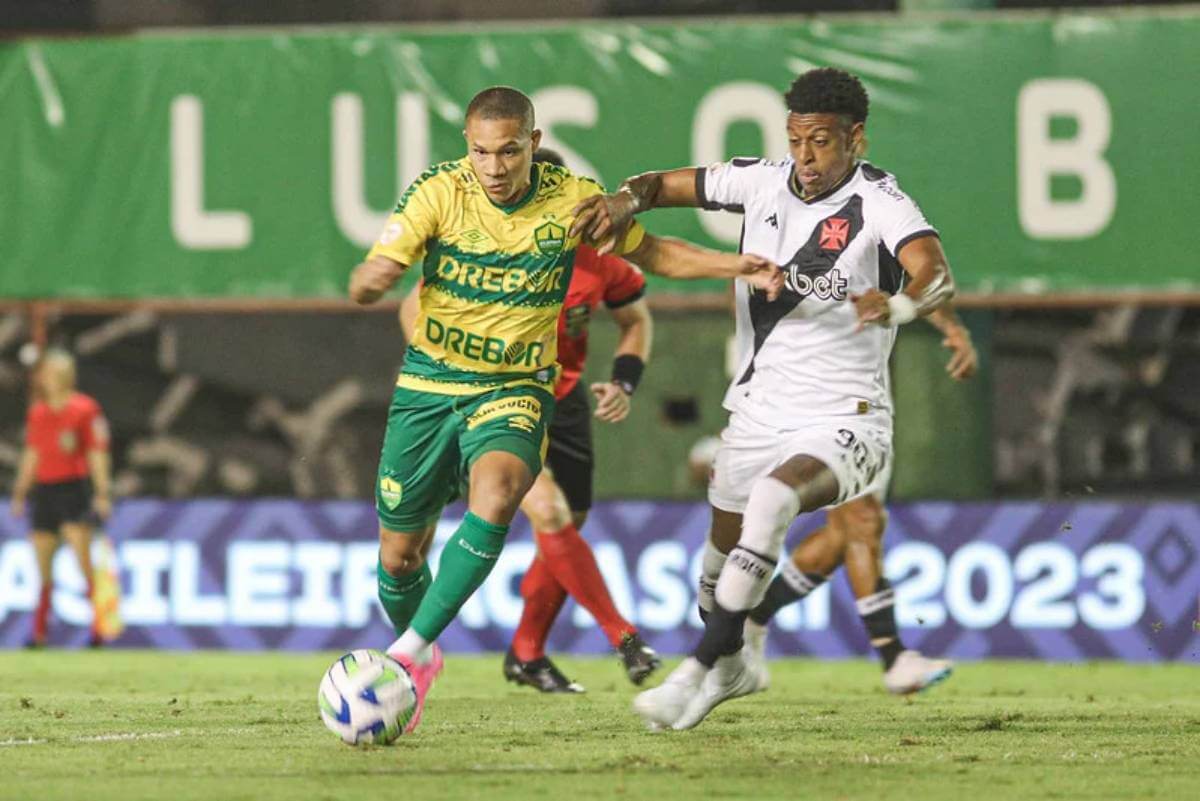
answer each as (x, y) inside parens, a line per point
(367, 697)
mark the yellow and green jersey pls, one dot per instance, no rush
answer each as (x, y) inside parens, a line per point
(494, 277)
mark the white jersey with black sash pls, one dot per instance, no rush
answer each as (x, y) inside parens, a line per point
(802, 355)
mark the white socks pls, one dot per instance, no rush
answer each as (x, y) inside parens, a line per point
(410, 644)
(710, 570)
(748, 570)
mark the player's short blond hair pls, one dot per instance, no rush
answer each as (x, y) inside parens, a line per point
(60, 361)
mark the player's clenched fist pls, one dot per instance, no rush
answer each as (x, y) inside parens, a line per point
(872, 308)
(372, 278)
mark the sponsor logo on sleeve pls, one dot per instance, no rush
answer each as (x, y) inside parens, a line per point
(391, 233)
(576, 319)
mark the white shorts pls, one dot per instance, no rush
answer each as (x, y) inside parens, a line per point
(857, 449)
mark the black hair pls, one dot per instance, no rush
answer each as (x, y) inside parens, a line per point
(502, 103)
(828, 91)
(547, 156)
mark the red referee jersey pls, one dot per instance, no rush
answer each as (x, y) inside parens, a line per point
(61, 438)
(596, 278)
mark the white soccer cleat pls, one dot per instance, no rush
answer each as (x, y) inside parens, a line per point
(755, 653)
(912, 672)
(731, 677)
(661, 706)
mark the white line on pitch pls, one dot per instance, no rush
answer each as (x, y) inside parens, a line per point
(98, 738)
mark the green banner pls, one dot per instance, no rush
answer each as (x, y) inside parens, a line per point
(1053, 152)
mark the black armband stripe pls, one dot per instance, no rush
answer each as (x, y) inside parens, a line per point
(924, 232)
(702, 200)
(701, 195)
(625, 301)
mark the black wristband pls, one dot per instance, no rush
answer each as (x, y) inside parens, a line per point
(627, 372)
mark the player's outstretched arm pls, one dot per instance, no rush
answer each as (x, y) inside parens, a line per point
(930, 284)
(604, 219)
(375, 276)
(674, 258)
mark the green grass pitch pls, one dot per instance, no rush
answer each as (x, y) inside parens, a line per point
(143, 725)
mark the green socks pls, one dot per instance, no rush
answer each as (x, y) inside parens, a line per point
(466, 561)
(401, 596)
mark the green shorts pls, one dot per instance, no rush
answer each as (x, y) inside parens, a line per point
(432, 440)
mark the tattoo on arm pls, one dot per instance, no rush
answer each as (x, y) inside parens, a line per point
(643, 189)
(660, 190)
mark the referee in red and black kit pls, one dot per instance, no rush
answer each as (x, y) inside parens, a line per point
(66, 464)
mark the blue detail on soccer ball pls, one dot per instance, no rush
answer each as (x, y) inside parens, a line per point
(375, 732)
(343, 715)
(369, 695)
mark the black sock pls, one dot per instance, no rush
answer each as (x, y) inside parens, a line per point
(789, 586)
(708, 589)
(722, 635)
(889, 651)
(878, 612)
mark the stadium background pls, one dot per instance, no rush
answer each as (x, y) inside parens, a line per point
(182, 207)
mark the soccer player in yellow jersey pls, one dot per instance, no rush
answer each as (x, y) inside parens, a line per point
(475, 395)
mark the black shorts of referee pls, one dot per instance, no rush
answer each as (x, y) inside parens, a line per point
(54, 504)
(569, 456)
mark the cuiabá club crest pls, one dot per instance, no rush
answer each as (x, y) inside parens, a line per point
(550, 238)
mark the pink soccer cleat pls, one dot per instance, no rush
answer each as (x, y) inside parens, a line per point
(423, 673)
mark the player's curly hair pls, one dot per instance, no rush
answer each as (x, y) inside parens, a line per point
(828, 91)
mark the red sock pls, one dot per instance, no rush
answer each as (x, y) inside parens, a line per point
(41, 615)
(573, 564)
(544, 597)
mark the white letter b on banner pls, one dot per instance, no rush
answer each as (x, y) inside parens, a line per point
(1040, 157)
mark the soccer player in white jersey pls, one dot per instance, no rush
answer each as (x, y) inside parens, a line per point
(852, 537)
(810, 407)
